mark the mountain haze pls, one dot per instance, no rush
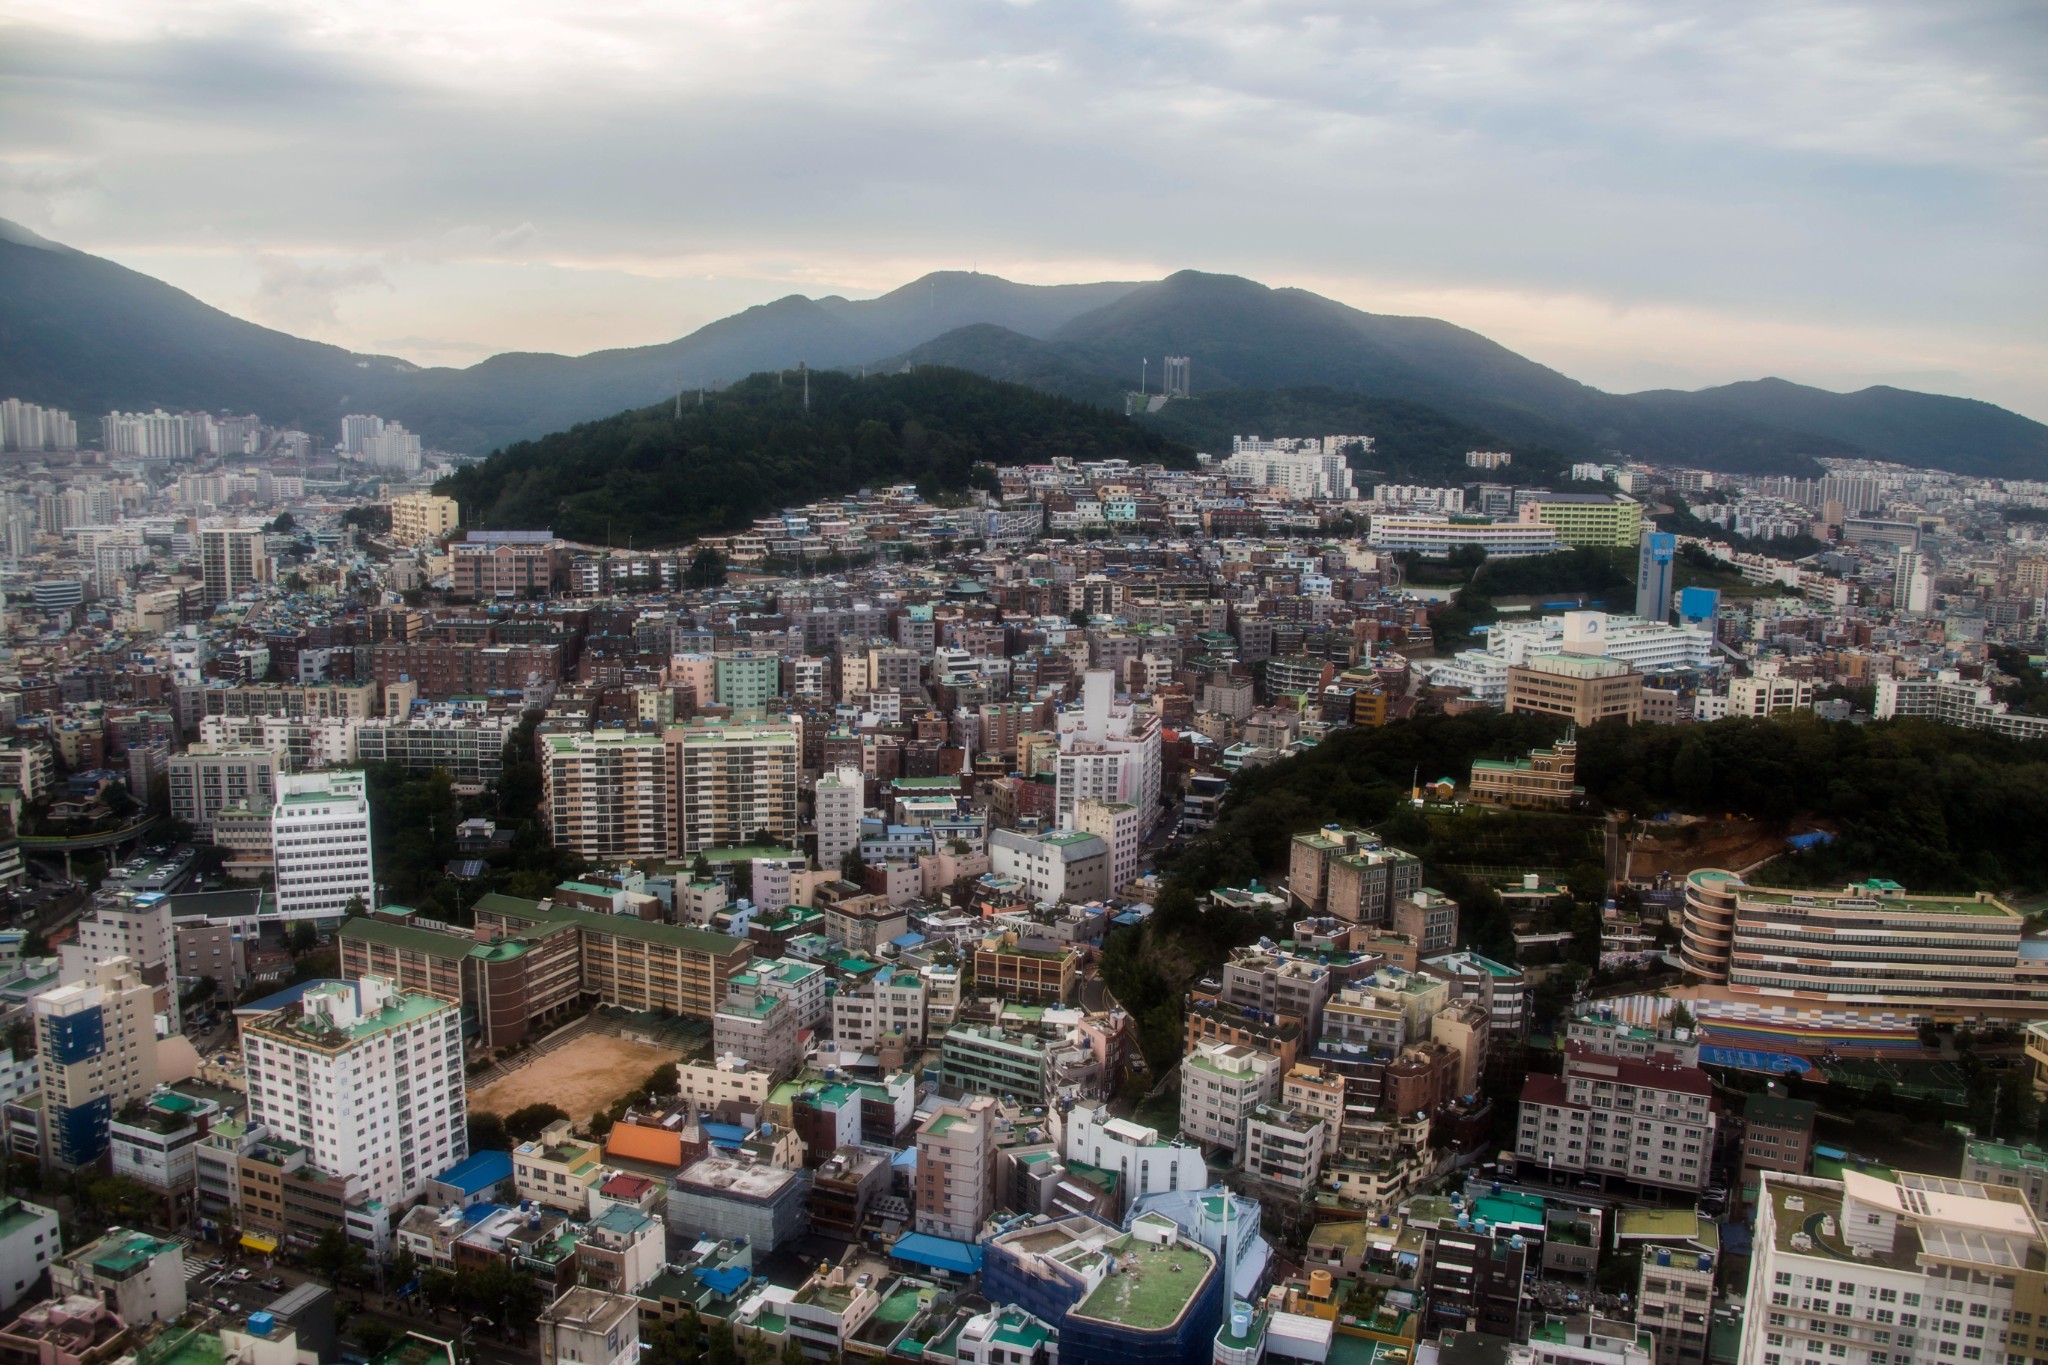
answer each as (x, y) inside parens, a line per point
(84, 333)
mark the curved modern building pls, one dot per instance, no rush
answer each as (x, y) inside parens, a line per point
(1867, 944)
(1708, 929)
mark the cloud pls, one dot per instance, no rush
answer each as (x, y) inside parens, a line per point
(1873, 170)
(296, 296)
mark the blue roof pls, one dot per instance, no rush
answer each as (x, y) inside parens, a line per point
(940, 1253)
(476, 1213)
(725, 1134)
(907, 940)
(905, 1159)
(479, 1172)
(726, 1281)
(290, 995)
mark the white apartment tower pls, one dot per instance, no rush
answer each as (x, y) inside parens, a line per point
(357, 428)
(841, 797)
(368, 1079)
(320, 836)
(1923, 1270)
(1108, 752)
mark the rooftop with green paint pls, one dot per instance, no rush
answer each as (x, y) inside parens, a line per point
(1153, 1284)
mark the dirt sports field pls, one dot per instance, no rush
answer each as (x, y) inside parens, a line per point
(582, 1077)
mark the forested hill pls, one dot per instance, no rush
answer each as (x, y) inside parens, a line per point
(660, 478)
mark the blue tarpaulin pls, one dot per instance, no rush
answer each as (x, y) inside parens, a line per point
(725, 1281)
(940, 1253)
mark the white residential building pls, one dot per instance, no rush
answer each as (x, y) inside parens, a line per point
(1920, 1270)
(320, 838)
(29, 1244)
(1109, 751)
(1221, 1084)
(1769, 695)
(140, 1277)
(888, 1005)
(1122, 827)
(368, 1079)
(1306, 473)
(1644, 1121)
(1145, 1163)
(841, 798)
(590, 1327)
(1953, 699)
(1440, 537)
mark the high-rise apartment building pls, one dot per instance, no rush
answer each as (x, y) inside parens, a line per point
(95, 1051)
(1913, 582)
(231, 561)
(607, 793)
(1107, 752)
(320, 837)
(732, 781)
(1905, 1270)
(356, 428)
(841, 797)
(26, 426)
(368, 1079)
(157, 435)
(204, 781)
(394, 448)
(956, 1148)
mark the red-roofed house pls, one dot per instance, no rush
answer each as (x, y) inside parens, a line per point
(1620, 1121)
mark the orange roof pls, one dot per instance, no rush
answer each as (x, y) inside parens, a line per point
(632, 1141)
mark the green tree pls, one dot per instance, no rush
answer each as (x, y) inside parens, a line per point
(373, 1334)
(853, 867)
(524, 1124)
(663, 1080)
(336, 1257)
(707, 569)
(404, 1268)
(487, 1132)
(282, 524)
(721, 1349)
(304, 938)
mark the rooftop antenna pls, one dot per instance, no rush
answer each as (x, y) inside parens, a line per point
(1144, 363)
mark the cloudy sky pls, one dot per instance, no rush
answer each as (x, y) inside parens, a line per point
(1639, 192)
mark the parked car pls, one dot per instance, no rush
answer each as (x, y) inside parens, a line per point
(271, 1282)
(242, 1273)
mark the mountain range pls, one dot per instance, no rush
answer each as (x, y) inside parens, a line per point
(84, 333)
